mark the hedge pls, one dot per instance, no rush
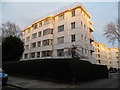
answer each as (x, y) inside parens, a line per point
(60, 69)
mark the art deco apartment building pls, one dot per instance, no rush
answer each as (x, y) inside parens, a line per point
(114, 57)
(106, 56)
(48, 37)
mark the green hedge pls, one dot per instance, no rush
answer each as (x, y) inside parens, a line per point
(61, 69)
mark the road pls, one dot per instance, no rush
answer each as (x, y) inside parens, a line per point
(12, 87)
(112, 82)
(23, 82)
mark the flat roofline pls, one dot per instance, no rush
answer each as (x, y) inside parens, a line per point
(113, 48)
(52, 16)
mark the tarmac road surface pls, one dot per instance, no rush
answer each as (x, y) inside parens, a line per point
(25, 82)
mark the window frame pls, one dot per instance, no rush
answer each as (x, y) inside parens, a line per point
(59, 39)
(73, 25)
(61, 28)
(73, 38)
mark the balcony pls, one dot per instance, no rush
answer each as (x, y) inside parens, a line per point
(91, 29)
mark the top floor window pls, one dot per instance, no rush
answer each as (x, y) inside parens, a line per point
(28, 31)
(61, 17)
(35, 26)
(46, 22)
(73, 13)
(60, 28)
(40, 24)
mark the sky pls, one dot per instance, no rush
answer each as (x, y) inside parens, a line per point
(25, 13)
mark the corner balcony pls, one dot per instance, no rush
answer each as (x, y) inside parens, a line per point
(91, 28)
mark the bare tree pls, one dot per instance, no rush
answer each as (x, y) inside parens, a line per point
(10, 29)
(75, 52)
(112, 31)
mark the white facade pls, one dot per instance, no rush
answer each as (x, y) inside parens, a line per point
(114, 57)
(48, 37)
(106, 56)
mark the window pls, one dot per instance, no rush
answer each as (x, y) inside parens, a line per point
(28, 39)
(91, 53)
(34, 35)
(38, 43)
(84, 26)
(26, 55)
(91, 40)
(23, 40)
(85, 38)
(39, 34)
(40, 24)
(47, 53)
(34, 45)
(98, 50)
(60, 40)
(47, 42)
(23, 33)
(81, 23)
(73, 38)
(47, 31)
(99, 61)
(32, 54)
(46, 22)
(82, 36)
(60, 28)
(85, 51)
(72, 25)
(98, 55)
(61, 17)
(26, 47)
(38, 54)
(28, 31)
(35, 26)
(116, 53)
(73, 13)
(60, 52)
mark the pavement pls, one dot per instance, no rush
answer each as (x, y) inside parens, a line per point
(25, 82)
(35, 83)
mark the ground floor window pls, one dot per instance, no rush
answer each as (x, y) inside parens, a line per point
(38, 54)
(33, 55)
(60, 52)
(47, 53)
(99, 61)
(26, 55)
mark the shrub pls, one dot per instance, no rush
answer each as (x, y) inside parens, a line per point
(61, 69)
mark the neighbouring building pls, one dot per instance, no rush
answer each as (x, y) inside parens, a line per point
(106, 56)
(114, 56)
(48, 37)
